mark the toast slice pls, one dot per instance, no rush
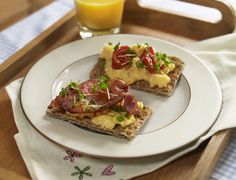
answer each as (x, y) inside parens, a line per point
(112, 110)
(143, 85)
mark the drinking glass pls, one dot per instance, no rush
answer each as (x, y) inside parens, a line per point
(98, 17)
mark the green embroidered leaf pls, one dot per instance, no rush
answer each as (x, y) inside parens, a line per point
(81, 172)
(86, 168)
(77, 168)
(81, 177)
(88, 174)
(74, 174)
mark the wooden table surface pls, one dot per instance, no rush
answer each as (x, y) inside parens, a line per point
(195, 165)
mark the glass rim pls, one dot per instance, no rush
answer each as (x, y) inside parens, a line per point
(97, 3)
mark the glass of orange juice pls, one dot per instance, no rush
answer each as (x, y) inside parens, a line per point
(98, 17)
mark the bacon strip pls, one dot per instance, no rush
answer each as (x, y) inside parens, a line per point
(119, 90)
(131, 105)
(113, 101)
(118, 87)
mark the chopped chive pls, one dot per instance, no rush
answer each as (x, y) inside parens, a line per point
(163, 57)
(117, 46)
(110, 43)
(130, 51)
(146, 44)
(120, 118)
(157, 67)
(140, 64)
(167, 61)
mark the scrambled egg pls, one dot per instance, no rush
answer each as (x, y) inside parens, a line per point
(110, 120)
(132, 73)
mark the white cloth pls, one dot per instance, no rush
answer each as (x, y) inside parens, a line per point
(46, 160)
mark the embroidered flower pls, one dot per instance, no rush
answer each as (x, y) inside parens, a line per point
(71, 155)
(107, 171)
(81, 173)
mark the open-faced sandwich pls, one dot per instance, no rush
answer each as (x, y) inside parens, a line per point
(102, 105)
(140, 66)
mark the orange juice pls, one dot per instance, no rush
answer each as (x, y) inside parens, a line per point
(99, 14)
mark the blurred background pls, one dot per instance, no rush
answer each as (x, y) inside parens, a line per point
(14, 10)
(23, 20)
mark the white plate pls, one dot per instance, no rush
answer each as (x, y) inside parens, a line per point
(176, 121)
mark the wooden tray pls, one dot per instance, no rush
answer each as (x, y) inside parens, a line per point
(195, 165)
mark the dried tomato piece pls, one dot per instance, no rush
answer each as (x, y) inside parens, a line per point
(119, 58)
(149, 59)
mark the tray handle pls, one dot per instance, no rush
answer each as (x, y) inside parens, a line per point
(176, 17)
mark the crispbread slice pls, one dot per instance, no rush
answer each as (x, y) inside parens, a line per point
(143, 85)
(127, 133)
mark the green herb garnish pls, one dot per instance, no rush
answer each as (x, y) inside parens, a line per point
(146, 44)
(102, 82)
(110, 44)
(138, 45)
(103, 85)
(103, 78)
(81, 95)
(73, 85)
(163, 57)
(64, 92)
(120, 118)
(157, 67)
(167, 61)
(139, 64)
(117, 46)
(130, 51)
(94, 89)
